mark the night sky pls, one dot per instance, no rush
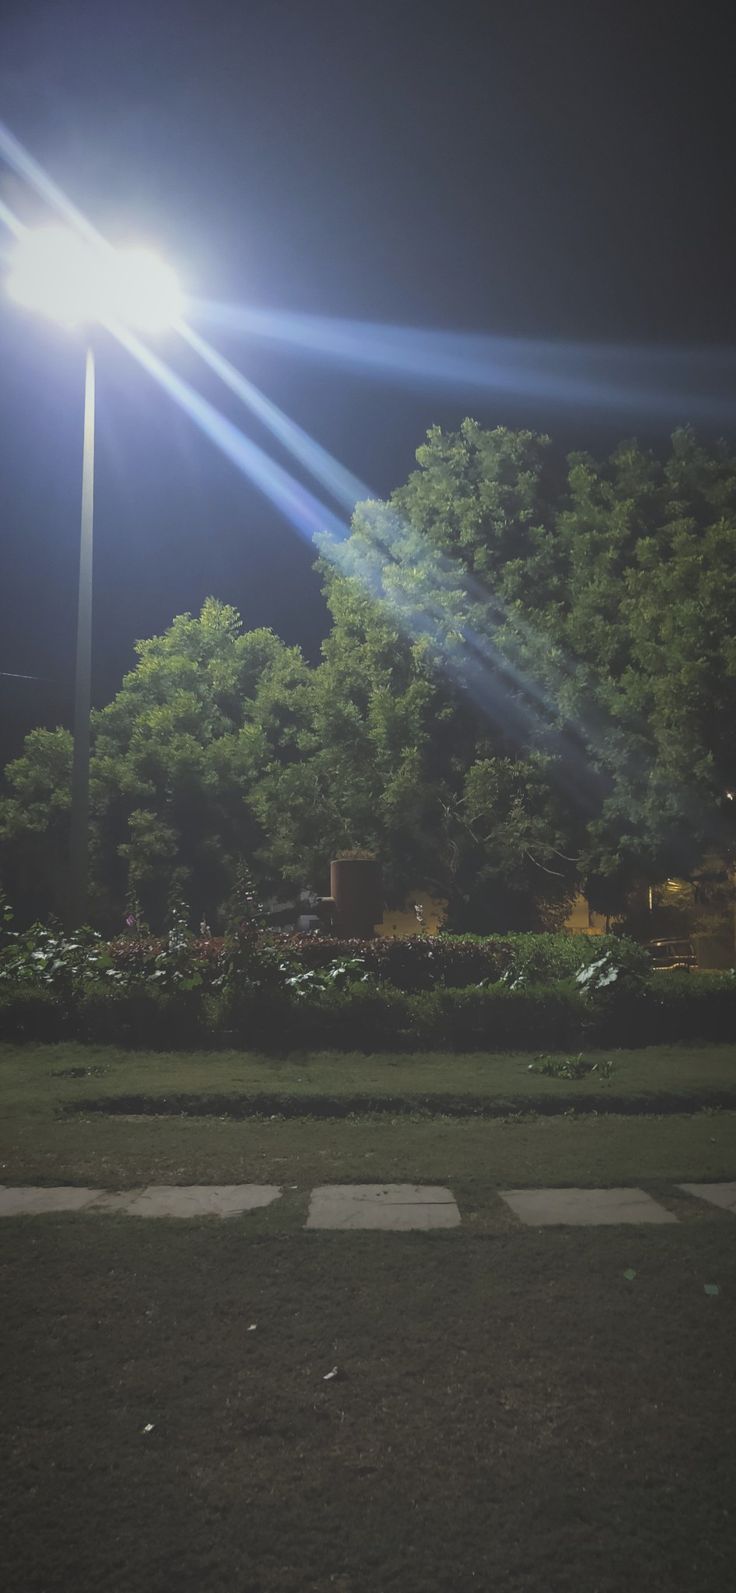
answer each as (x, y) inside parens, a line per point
(531, 170)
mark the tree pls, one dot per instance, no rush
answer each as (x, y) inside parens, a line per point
(174, 761)
(589, 614)
(34, 822)
(529, 683)
(400, 757)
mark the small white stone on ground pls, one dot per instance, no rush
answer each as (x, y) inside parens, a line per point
(542, 1208)
(394, 1206)
(723, 1195)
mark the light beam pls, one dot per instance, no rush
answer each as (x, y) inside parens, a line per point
(297, 503)
(346, 488)
(668, 384)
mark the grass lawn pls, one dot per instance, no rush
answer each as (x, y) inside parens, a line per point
(664, 1077)
(43, 1139)
(483, 1154)
(511, 1413)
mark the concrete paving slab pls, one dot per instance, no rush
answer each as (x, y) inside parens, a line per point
(394, 1206)
(542, 1208)
(158, 1200)
(723, 1195)
(22, 1202)
(115, 1200)
(193, 1200)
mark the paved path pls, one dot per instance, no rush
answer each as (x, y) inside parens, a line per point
(158, 1200)
(398, 1206)
(546, 1208)
(352, 1206)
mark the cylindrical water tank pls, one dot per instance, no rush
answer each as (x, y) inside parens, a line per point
(357, 892)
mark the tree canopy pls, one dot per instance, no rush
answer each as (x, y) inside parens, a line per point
(528, 685)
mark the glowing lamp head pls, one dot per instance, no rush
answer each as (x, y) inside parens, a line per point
(52, 271)
(75, 281)
(142, 290)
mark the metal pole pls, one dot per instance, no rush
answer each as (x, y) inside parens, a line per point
(79, 822)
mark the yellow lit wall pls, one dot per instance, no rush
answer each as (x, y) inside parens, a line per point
(398, 922)
(581, 921)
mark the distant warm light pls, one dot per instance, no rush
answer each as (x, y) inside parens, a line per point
(74, 281)
(730, 796)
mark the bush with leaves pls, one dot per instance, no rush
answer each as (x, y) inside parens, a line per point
(427, 962)
(249, 960)
(570, 1067)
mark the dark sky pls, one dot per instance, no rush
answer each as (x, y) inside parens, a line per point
(534, 170)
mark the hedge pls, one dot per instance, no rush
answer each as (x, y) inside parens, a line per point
(368, 1017)
(417, 962)
(422, 962)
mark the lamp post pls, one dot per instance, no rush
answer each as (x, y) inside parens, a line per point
(79, 814)
(83, 282)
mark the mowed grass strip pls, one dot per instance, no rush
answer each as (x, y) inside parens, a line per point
(39, 1077)
(117, 1152)
(44, 1140)
(509, 1412)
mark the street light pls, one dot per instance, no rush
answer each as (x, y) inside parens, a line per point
(81, 282)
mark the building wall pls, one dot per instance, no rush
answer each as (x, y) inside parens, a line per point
(400, 922)
(581, 920)
(397, 923)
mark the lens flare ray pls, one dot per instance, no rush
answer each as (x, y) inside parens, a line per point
(667, 384)
(297, 503)
(18, 157)
(12, 222)
(346, 488)
(349, 491)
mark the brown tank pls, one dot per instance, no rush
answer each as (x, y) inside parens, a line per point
(357, 893)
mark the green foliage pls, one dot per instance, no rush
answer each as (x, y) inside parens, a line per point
(570, 1067)
(34, 823)
(174, 760)
(314, 983)
(623, 966)
(498, 1018)
(34, 1012)
(244, 908)
(529, 684)
(423, 962)
(141, 1014)
(270, 993)
(587, 618)
(683, 1006)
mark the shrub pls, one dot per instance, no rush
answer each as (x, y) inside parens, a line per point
(29, 1012)
(264, 990)
(672, 1006)
(425, 962)
(357, 1017)
(252, 1019)
(360, 1017)
(498, 1018)
(570, 1067)
(140, 1015)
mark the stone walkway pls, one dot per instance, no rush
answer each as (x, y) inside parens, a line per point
(398, 1206)
(368, 1206)
(546, 1208)
(723, 1195)
(158, 1200)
